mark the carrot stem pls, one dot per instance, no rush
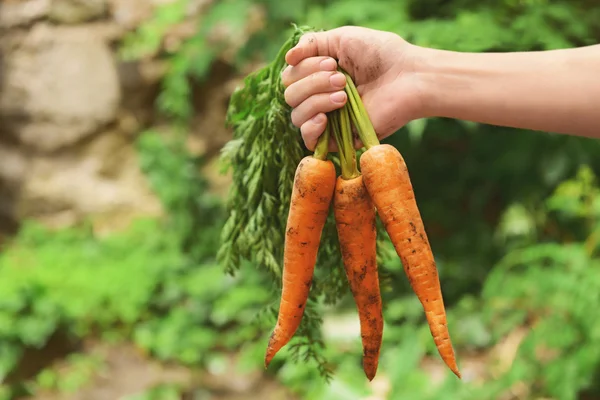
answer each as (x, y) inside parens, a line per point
(335, 129)
(323, 144)
(346, 151)
(359, 115)
(348, 144)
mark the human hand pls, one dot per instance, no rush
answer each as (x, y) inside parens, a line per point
(381, 64)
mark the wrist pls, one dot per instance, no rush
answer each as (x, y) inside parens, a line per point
(430, 71)
(464, 85)
(420, 75)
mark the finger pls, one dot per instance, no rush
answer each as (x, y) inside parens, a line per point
(312, 129)
(313, 44)
(320, 82)
(319, 103)
(304, 68)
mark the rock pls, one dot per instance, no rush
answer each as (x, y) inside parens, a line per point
(59, 85)
(130, 13)
(208, 132)
(101, 179)
(76, 11)
(13, 165)
(70, 111)
(14, 13)
(13, 168)
(140, 84)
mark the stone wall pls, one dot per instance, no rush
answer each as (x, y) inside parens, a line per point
(70, 111)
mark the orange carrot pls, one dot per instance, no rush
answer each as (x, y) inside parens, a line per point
(355, 221)
(388, 183)
(387, 180)
(314, 183)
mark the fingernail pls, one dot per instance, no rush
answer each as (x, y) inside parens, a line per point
(338, 97)
(318, 119)
(337, 80)
(328, 64)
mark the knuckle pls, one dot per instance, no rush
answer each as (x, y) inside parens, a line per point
(313, 105)
(326, 76)
(307, 66)
(310, 42)
(309, 38)
(320, 79)
(324, 102)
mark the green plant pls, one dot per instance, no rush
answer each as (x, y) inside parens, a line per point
(159, 392)
(77, 370)
(156, 283)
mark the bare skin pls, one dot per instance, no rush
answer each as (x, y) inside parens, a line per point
(555, 91)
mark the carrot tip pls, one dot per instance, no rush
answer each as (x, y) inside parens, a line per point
(370, 372)
(267, 361)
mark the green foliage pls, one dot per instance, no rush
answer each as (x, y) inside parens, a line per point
(192, 58)
(148, 38)
(156, 283)
(263, 172)
(159, 392)
(78, 370)
(564, 336)
(195, 215)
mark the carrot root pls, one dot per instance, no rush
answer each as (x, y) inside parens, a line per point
(388, 183)
(355, 221)
(312, 193)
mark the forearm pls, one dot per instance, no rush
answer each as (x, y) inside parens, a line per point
(555, 91)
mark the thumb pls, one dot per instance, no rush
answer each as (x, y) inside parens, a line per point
(314, 44)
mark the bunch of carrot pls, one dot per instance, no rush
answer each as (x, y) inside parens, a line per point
(381, 187)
